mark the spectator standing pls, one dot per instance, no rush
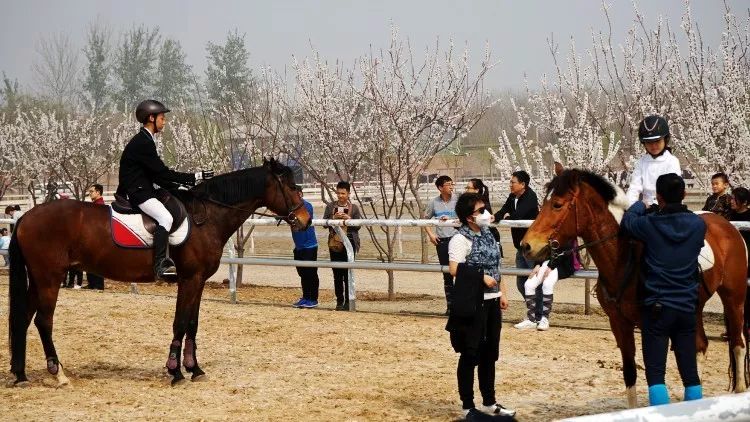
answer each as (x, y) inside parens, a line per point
(306, 249)
(653, 131)
(720, 200)
(4, 244)
(443, 207)
(672, 238)
(342, 209)
(96, 282)
(475, 321)
(14, 211)
(478, 187)
(522, 204)
(740, 212)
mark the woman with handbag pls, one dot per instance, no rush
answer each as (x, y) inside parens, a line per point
(342, 209)
(476, 317)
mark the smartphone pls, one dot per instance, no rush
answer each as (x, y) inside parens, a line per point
(342, 210)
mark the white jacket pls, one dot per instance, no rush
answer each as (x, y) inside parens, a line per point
(647, 170)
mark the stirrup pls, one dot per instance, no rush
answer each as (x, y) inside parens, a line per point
(166, 268)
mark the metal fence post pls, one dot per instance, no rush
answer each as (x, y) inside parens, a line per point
(232, 275)
(352, 299)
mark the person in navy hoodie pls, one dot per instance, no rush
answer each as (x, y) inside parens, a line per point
(672, 238)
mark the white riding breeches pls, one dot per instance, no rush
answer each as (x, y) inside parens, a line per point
(548, 283)
(158, 212)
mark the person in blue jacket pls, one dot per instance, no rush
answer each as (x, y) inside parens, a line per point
(306, 249)
(672, 238)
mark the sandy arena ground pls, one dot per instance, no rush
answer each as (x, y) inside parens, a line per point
(268, 361)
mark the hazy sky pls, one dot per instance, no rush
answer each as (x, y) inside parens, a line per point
(275, 30)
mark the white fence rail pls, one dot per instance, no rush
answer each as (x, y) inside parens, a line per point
(393, 266)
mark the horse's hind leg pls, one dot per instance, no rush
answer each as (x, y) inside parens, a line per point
(32, 303)
(44, 322)
(733, 312)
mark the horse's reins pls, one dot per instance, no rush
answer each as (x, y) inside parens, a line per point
(291, 218)
(556, 254)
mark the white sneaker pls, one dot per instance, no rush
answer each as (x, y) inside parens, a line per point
(77, 286)
(543, 324)
(526, 325)
(498, 409)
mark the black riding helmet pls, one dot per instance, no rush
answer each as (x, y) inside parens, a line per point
(653, 128)
(149, 108)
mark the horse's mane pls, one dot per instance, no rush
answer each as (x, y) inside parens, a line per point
(234, 187)
(571, 178)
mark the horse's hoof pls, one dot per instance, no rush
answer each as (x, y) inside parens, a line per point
(199, 378)
(177, 382)
(65, 385)
(20, 384)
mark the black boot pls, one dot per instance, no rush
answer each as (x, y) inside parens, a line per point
(163, 266)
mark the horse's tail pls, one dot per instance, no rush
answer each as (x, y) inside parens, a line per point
(18, 294)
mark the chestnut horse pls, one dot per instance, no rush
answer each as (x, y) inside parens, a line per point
(53, 237)
(583, 204)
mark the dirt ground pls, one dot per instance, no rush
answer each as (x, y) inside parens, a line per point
(268, 361)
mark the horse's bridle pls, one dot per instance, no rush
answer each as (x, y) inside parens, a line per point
(554, 244)
(291, 217)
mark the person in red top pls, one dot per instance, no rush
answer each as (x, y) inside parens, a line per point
(95, 193)
(96, 282)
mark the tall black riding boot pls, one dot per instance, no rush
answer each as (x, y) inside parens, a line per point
(163, 266)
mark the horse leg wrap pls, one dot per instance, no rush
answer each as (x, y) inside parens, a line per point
(173, 361)
(52, 365)
(189, 354)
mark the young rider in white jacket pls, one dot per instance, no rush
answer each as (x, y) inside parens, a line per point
(654, 135)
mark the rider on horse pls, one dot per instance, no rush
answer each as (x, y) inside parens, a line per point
(141, 168)
(653, 132)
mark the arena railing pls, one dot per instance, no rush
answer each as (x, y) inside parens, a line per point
(351, 264)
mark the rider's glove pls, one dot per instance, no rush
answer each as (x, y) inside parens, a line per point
(204, 175)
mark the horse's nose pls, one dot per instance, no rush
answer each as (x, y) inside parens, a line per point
(525, 247)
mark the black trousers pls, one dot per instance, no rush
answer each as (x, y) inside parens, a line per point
(308, 275)
(659, 326)
(483, 359)
(442, 253)
(95, 281)
(340, 278)
(74, 277)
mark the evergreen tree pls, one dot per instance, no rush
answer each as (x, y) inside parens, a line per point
(97, 79)
(228, 75)
(174, 76)
(134, 66)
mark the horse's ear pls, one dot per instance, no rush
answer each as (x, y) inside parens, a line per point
(558, 168)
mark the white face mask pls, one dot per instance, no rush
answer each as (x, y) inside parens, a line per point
(484, 219)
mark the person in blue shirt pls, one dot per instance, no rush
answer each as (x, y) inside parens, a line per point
(306, 249)
(672, 239)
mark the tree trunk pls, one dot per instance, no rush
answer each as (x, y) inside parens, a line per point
(391, 289)
(239, 249)
(425, 241)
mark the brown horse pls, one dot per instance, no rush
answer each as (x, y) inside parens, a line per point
(582, 204)
(53, 237)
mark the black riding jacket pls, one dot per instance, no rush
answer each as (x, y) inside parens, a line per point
(141, 167)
